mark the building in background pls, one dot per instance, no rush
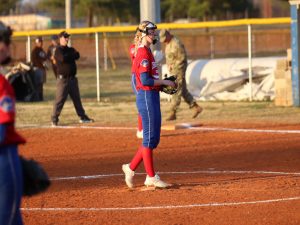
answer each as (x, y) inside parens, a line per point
(272, 8)
(27, 22)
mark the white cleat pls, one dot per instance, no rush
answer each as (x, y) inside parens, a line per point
(139, 134)
(156, 182)
(129, 174)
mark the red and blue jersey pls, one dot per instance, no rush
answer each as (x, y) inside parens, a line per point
(132, 56)
(7, 113)
(144, 62)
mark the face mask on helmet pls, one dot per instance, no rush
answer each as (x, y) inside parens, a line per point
(147, 30)
(149, 26)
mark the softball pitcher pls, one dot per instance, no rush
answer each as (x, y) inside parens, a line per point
(148, 104)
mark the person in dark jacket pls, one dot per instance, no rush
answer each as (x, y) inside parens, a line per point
(50, 53)
(67, 83)
(38, 59)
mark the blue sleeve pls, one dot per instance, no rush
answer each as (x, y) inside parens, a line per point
(146, 79)
(2, 132)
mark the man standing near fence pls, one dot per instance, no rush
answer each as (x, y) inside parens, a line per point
(50, 53)
(38, 58)
(66, 82)
(176, 60)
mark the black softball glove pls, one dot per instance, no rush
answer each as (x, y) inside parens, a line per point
(168, 89)
(35, 179)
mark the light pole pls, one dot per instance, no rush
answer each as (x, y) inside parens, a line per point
(68, 16)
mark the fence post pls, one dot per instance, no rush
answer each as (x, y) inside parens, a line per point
(295, 45)
(105, 51)
(250, 60)
(97, 65)
(212, 46)
(28, 50)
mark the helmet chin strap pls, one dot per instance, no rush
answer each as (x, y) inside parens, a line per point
(154, 40)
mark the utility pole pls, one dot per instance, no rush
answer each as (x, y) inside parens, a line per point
(68, 16)
(150, 10)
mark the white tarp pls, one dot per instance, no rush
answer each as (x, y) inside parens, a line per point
(228, 79)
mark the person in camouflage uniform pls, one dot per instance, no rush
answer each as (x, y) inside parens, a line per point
(176, 60)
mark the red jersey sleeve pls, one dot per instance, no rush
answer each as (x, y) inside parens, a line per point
(7, 113)
(132, 56)
(7, 102)
(131, 52)
(143, 61)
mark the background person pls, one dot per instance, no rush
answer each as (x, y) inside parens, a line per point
(67, 83)
(11, 180)
(176, 60)
(139, 132)
(148, 86)
(51, 51)
(38, 59)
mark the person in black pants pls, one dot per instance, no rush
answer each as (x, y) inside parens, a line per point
(67, 83)
(38, 58)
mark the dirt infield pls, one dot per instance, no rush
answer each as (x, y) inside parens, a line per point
(233, 176)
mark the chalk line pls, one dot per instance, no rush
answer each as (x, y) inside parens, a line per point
(245, 130)
(212, 204)
(187, 127)
(99, 176)
(76, 127)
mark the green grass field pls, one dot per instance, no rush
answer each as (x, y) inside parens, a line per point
(117, 105)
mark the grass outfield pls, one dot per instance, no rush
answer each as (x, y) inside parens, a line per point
(117, 105)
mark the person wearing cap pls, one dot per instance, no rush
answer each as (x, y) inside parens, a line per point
(11, 178)
(66, 82)
(50, 53)
(38, 59)
(139, 132)
(176, 60)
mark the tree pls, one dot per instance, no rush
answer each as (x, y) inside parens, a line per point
(240, 8)
(281, 8)
(97, 12)
(88, 8)
(108, 11)
(205, 9)
(174, 9)
(54, 7)
(52, 4)
(7, 6)
(199, 9)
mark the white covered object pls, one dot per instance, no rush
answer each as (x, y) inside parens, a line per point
(228, 79)
(158, 56)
